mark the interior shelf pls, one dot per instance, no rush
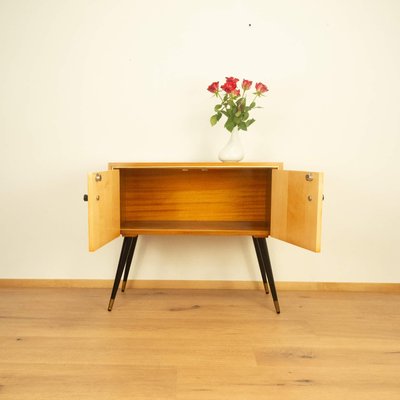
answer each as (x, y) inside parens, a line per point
(228, 228)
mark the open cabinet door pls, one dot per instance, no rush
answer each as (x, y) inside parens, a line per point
(103, 207)
(296, 208)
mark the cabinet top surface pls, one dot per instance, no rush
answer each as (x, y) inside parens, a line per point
(119, 165)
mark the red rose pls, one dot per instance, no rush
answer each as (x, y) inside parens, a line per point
(236, 92)
(229, 87)
(233, 80)
(246, 84)
(230, 84)
(213, 88)
(261, 88)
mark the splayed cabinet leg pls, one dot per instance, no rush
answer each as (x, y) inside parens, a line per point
(129, 262)
(261, 264)
(261, 244)
(121, 265)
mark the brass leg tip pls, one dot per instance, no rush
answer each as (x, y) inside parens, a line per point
(266, 288)
(110, 304)
(277, 308)
(123, 286)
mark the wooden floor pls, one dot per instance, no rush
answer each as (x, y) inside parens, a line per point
(60, 343)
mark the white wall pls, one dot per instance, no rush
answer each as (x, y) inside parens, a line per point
(86, 82)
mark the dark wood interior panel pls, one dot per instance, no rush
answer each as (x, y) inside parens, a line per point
(240, 194)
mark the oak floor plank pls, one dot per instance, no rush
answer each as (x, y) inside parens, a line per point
(96, 381)
(287, 381)
(62, 343)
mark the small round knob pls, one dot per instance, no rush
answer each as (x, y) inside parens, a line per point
(85, 197)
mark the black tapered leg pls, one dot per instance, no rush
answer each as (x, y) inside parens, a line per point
(268, 269)
(121, 264)
(261, 264)
(129, 262)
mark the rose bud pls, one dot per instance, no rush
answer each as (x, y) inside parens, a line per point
(246, 84)
(214, 87)
(261, 88)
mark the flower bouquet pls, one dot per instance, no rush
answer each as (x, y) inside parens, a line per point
(233, 103)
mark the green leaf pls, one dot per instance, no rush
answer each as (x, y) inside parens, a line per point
(237, 114)
(253, 104)
(229, 124)
(214, 119)
(231, 112)
(217, 107)
(245, 116)
(250, 121)
(243, 126)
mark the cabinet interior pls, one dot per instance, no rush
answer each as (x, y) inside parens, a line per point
(226, 201)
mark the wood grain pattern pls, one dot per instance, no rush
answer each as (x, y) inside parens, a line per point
(103, 208)
(198, 345)
(204, 195)
(296, 208)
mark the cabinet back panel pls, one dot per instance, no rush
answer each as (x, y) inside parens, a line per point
(240, 194)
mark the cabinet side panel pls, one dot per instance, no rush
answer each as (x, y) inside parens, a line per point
(103, 208)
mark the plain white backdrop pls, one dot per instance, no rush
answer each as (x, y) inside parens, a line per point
(83, 83)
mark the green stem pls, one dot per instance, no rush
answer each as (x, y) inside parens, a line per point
(222, 101)
(254, 98)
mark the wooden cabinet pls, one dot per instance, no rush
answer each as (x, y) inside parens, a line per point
(249, 199)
